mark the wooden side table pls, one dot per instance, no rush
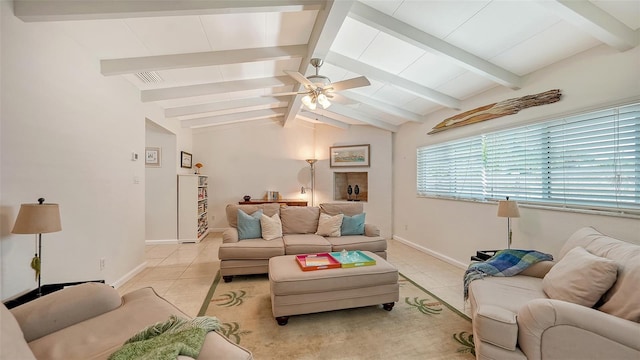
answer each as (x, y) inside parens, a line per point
(282, 202)
(483, 255)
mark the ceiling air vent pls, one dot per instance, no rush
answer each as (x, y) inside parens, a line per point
(149, 77)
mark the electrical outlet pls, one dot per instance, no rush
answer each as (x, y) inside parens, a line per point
(102, 263)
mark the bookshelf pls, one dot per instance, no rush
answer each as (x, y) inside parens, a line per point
(193, 224)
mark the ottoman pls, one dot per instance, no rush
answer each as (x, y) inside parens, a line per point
(295, 292)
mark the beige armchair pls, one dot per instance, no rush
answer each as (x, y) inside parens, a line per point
(91, 321)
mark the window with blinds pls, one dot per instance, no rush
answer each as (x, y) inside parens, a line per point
(588, 161)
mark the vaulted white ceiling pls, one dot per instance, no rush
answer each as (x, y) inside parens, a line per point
(216, 62)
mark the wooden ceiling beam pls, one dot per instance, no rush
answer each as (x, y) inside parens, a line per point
(324, 32)
(340, 112)
(388, 24)
(595, 21)
(249, 103)
(232, 118)
(109, 67)
(179, 92)
(389, 78)
(311, 117)
(64, 10)
(384, 107)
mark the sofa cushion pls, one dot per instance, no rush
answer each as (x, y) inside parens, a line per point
(580, 277)
(352, 225)
(621, 300)
(350, 209)
(251, 249)
(496, 301)
(329, 225)
(12, 342)
(358, 242)
(271, 227)
(305, 244)
(249, 225)
(232, 211)
(299, 219)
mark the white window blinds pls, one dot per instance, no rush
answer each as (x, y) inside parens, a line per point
(586, 161)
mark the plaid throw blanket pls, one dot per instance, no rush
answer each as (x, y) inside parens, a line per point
(504, 263)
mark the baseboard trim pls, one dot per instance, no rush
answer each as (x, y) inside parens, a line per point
(128, 276)
(161, 242)
(436, 254)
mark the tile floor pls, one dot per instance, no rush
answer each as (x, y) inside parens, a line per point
(183, 273)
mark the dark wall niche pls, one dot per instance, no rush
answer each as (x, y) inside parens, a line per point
(345, 182)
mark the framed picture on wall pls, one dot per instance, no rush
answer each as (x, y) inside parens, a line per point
(186, 159)
(152, 157)
(349, 156)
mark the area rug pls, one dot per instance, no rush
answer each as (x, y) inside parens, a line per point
(420, 326)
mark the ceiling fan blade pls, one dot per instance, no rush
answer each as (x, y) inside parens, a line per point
(283, 94)
(349, 84)
(300, 78)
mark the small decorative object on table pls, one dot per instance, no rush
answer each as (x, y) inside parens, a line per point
(356, 190)
(198, 166)
(349, 192)
(247, 198)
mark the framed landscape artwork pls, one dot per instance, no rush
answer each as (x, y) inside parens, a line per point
(186, 159)
(349, 156)
(152, 157)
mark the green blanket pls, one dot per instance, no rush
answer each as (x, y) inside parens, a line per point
(168, 339)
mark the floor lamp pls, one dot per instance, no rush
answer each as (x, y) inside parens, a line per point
(313, 179)
(509, 209)
(37, 219)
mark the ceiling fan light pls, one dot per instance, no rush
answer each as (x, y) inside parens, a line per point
(307, 100)
(324, 101)
(312, 105)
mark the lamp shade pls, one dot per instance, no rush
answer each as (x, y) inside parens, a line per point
(508, 208)
(37, 219)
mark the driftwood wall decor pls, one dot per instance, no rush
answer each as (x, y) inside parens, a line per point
(496, 110)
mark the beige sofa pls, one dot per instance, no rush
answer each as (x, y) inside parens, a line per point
(299, 225)
(521, 317)
(91, 321)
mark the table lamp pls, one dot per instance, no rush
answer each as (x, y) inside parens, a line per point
(509, 209)
(38, 219)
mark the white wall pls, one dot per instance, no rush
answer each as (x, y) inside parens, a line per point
(455, 229)
(251, 158)
(161, 194)
(67, 134)
(378, 207)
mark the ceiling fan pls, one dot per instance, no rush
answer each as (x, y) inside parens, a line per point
(318, 89)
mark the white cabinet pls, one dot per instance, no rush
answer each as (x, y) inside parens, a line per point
(193, 225)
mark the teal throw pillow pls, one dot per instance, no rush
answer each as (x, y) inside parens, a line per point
(249, 225)
(352, 225)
